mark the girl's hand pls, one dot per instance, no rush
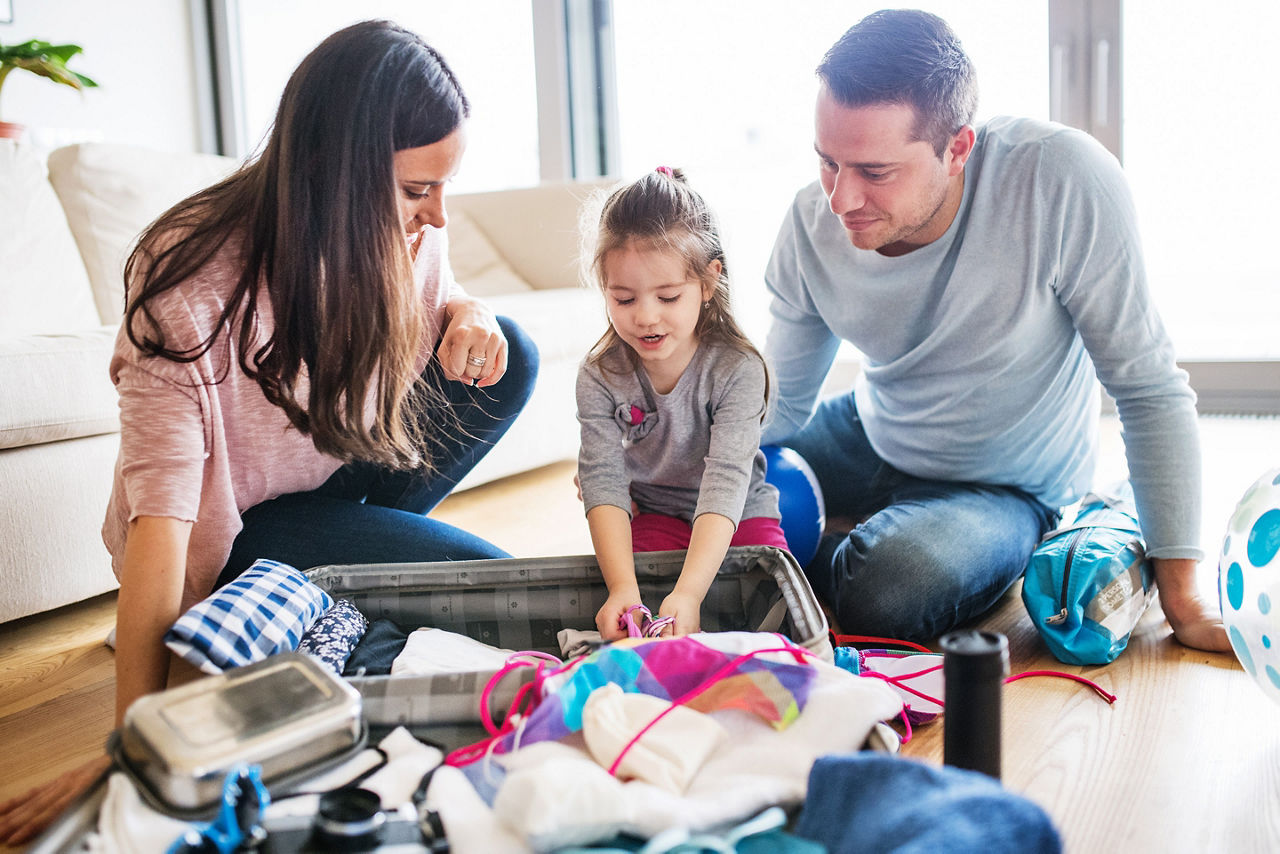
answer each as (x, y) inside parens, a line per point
(686, 608)
(609, 617)
(472, 349)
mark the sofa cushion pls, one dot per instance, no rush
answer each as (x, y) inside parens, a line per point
(476, 263)
(112, 192)
(51, 550)
(44, 287)
(563, 322)
(56, 387)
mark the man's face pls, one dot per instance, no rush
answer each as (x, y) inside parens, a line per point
(891, 192)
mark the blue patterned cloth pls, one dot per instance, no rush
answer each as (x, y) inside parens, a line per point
(265, 611)
(332, 638)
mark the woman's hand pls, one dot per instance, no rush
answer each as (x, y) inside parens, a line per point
(472, 349)
(27, 815)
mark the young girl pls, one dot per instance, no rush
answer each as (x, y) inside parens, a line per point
(300, 377)
(671, 400)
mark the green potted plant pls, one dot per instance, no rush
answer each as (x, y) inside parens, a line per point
(47, 60)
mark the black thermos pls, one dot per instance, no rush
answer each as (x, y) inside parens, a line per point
(974, 666)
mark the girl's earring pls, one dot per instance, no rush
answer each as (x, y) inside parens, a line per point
(706, 305)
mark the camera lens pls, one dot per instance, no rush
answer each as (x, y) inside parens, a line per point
(348, 820)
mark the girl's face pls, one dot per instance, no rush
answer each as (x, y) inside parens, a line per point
(654, 305)
(420, 177)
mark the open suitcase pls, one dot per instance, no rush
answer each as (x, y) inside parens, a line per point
(518, 604)
(522, 603)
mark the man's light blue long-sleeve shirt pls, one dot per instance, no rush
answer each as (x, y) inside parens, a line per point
(980, 349)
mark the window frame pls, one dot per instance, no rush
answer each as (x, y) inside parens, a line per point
(578, 122)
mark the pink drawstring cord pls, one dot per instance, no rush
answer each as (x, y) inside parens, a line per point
(1109, 697)
(905, 714)
(528, 693)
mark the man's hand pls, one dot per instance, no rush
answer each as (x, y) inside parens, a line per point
(24, 817)
(1196, 623)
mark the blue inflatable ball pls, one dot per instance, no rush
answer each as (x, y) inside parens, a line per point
(799, 499)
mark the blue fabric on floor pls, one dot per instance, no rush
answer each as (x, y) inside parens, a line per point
(860, 802)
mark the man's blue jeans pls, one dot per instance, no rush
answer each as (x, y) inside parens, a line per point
(365, 513)
(926, 555)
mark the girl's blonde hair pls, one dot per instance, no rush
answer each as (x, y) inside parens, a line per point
(659, 210)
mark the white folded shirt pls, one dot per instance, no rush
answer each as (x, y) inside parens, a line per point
(439, 651)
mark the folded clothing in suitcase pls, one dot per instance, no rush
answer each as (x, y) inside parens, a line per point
(523, 603)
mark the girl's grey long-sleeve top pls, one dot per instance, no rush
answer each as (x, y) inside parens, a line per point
(691, 451)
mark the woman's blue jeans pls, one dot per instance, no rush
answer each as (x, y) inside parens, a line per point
(366, 513)
(926, 555)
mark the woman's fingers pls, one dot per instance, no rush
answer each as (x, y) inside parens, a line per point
(496, 364)
(474, 355)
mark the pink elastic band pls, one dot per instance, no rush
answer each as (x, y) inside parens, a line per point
(897, 680)
(665, 170)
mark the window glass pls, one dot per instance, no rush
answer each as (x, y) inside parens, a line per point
(725, 89)
(488, 45)
(1199, 140)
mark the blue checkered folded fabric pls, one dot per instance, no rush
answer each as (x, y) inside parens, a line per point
(265, 611)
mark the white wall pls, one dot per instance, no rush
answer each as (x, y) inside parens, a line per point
(140, 54)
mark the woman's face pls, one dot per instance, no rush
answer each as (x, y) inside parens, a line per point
(421, 174)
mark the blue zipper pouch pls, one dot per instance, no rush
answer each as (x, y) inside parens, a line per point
(1089, 581)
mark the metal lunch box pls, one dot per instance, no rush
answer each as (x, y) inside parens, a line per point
(289, 714)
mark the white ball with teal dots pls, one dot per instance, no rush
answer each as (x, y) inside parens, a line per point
(1249, 582)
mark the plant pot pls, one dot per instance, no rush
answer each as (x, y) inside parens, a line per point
(12, 130)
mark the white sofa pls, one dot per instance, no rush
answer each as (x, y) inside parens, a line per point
(66, 224)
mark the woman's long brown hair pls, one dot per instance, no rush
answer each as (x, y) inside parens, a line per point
(316, 222)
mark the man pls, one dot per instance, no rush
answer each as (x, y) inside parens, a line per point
(984, 274)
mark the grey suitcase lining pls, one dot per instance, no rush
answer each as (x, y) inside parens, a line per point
(521, 604)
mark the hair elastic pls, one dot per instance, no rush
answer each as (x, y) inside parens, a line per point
(665, 170)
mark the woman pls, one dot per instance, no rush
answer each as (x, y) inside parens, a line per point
(300, 378)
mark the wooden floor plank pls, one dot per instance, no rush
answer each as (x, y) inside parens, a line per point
(46, 740)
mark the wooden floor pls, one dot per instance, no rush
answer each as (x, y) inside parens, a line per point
(1187, 759)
